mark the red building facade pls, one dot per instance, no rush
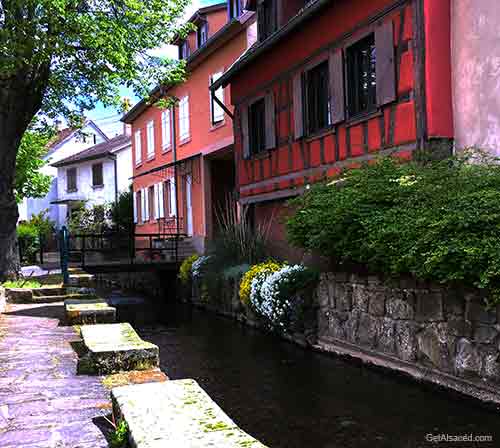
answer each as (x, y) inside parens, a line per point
(332, 84)
(183, 156)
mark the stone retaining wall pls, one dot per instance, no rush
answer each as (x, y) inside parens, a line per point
(430, 332)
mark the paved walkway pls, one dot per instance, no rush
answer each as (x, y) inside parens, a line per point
(43, 403)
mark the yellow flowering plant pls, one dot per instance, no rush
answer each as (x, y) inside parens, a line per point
(185, 269)
(267, 268)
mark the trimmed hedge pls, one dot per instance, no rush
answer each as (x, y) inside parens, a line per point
(439, 221)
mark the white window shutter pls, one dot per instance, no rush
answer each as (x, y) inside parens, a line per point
(135, 207)
(138, 149)
(173, 205)
(155, 201)
(217, 112)
(146, 204)
(143, 208)
(161, 200)
(151, 139)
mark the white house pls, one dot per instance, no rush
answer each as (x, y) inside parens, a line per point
(94, 176)
(67, 142)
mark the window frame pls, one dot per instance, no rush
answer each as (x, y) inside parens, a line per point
(150, 140)
(138, 147)
(184, 50)
(184, 119)
(166, 130)
(351, 82)
(267, 24)
(71, 188)
(213, 104)
(201, 32)
(261, 100)
(234, 14)
(94, 165)
(305, 91)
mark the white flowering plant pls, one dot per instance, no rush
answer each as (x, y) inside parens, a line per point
(198, 266)
(274, 296)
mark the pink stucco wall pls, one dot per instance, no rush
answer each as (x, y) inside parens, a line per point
(476, 73)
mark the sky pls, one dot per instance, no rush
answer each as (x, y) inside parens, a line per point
(107, 118)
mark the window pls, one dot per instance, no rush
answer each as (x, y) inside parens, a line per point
(362, 76)
(151, 202)
(184, 50)
(144, 196)
(317, 98)
(97, 179)
(267, 19)
(216, 110)
(138, 149)
(136, 202)
(202, 34)
(166, 131)
(234, 9)
(257, 126)
(184, 118)
(151, 139)
(71, 185)
(172, 196)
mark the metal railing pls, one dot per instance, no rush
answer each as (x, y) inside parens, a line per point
(119, 247)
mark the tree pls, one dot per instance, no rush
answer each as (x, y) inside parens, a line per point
(30, 182)
(121, 213)
(61, 57)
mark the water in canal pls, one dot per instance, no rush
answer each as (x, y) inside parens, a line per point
(288, 397)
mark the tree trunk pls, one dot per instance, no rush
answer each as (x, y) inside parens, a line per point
(18, 106)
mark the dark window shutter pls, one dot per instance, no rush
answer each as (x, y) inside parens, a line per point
(337, 95)
(298, 114)
(386, 72)
(245, 138)
(270, 121)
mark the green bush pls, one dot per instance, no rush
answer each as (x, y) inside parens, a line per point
(185, 269)
(439, 221)
(29, 242)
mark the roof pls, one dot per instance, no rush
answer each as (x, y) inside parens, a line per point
(66, 133)
(104, 149)
(308, 11)
(227, 32)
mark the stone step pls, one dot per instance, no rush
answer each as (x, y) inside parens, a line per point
(111, 348)
(62, 298)
(90, 311)
(80, 279)
(176, 414)
(49, 291)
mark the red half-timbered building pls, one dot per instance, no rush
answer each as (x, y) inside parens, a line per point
(331, 84)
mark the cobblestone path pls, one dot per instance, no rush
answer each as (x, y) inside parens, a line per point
(43, 403)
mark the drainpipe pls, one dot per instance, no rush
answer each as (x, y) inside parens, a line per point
(115, 167)
(174, 153)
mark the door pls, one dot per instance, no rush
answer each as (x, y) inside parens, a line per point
(189, 207)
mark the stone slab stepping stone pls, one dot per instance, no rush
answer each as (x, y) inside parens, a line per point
(111, 348)
(89, 311)
(176, 414)
(125, 301)
(81, 279)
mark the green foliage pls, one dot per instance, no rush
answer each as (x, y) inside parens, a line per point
(92, 220)
(22, 284)
(29, 234)
(119, 437)
(235, 273)
(29, 181)
(121, 213)
(78, 52)
(439, 221)
(185, 269)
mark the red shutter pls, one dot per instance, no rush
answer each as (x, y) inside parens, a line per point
(297, 106)
(270, 121)
(245, 138)
(337, 96)
(386, 72)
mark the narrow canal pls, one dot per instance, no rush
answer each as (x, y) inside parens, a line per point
(288, 397)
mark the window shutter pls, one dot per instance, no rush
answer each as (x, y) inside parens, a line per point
(161, 201)
(337, 96)
(173, 205)
(156, 207)
(135, 207)
(146, 204)
(385, 68)
(143, 205)
(270, 121)
(245, 137)
(297, 106)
